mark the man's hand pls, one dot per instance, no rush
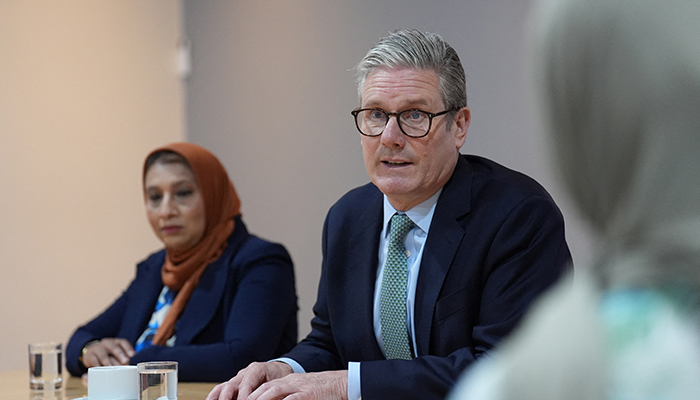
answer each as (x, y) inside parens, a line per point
(331, 385)
(249, 379)
(107, 352)
(268, 381)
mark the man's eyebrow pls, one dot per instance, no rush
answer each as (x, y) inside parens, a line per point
(410, 104)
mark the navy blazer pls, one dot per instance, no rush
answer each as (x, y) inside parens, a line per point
(244, 309)
(495, 243)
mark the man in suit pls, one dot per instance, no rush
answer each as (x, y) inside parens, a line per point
(465, 245)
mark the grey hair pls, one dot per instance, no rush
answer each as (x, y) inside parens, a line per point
(411, 48)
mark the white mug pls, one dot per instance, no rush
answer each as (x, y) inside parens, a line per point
(119, 382)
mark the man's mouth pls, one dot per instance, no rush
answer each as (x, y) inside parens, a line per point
(395, 163)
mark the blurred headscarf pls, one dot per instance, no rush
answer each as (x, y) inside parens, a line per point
(620, 81)
(620, 85)
(182, 270)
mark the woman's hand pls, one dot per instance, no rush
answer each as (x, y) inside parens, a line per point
(108, 351)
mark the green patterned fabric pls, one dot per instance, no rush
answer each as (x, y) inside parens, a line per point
(392, 301)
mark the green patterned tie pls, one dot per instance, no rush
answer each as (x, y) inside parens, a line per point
(392, 300)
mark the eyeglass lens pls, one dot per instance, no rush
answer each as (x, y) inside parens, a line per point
(412, 122)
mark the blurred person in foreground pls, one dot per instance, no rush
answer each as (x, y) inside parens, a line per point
(431, 264)
(620, 80)
(214, 300)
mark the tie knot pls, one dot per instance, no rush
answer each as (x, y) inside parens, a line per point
(400, 225)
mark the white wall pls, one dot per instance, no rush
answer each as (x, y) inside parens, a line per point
(271, 94)
(87, 88)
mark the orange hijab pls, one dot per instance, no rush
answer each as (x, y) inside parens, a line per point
(182, 270)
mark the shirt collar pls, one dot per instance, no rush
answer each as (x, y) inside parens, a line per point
(421, 214)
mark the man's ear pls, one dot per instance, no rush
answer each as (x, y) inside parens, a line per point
(461, 124)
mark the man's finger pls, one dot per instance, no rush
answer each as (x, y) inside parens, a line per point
(214, 394)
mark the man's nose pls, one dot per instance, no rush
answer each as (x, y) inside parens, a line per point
(392, 135)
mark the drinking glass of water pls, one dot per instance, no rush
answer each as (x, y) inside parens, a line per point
(45, 366)
(157, 380)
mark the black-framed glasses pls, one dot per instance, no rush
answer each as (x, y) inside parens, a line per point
(413, 122)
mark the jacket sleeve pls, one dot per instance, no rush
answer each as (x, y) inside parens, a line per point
(126, 318)
(105, 325)
(318, 351)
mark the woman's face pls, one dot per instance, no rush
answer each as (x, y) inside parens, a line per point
(174, 206)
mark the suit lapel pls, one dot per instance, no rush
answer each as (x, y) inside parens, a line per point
(442, 243)
(143, 306)
(203, 303)
(207, 295)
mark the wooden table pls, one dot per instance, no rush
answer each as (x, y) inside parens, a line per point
(14, 385)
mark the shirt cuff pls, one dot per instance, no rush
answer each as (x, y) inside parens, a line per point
(354, 388)
(295, 365)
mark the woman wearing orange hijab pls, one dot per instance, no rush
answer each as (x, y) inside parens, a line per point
(215, 299)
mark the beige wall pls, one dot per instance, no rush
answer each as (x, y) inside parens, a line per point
(87, 88)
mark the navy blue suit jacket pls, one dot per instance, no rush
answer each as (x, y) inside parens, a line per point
(496, 242)
(244, 309)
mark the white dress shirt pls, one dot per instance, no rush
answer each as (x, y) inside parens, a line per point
(422, 216)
